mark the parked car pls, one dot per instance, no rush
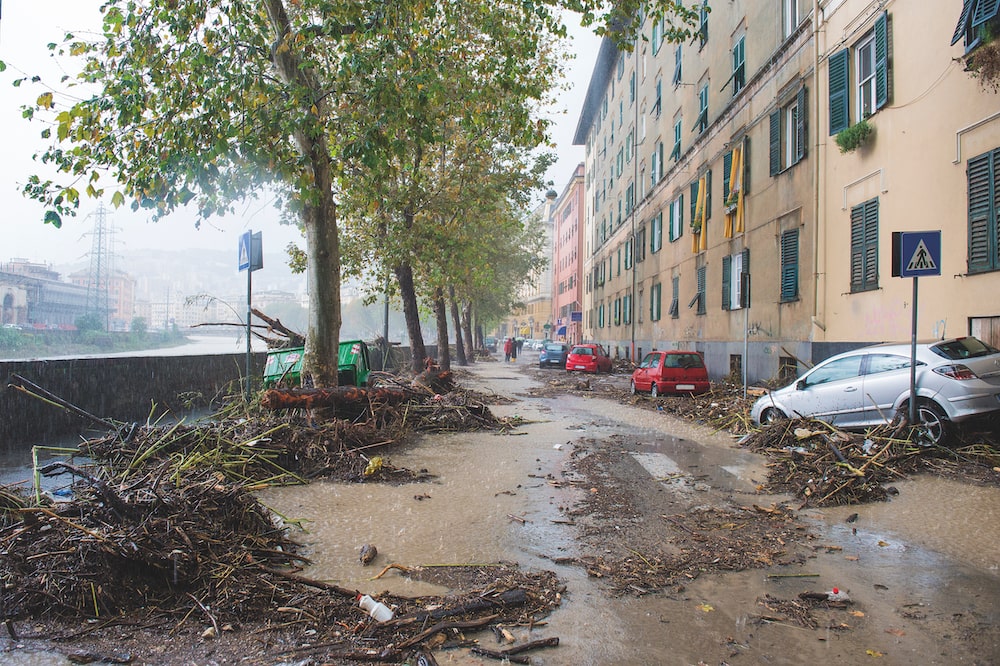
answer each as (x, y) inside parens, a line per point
(491, 344)
(588, 358)
(670, 372)
(537, 345)
(956, 379)
(553, 355)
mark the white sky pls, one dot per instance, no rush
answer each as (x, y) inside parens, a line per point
(27, 26)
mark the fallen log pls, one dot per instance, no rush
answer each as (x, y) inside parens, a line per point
(508, 653)
(351, 399)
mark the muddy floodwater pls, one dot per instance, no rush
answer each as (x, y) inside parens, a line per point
(922, 570)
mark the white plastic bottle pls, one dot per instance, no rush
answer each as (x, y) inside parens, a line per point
(376, 609)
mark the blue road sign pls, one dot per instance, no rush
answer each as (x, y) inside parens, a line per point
(245, 243)
(919, 253)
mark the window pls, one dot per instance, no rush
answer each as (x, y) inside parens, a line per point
(640, 243)
(629, 198)
(700, 297)
(864, 246)
(656, 164)
(657, 36)
(618, 312)
(703, 25)
(975, 20)
(844, 368)
(658, 104)
(788, 134)
(629, 140)
(739, 65)
(677, 218)
(789, 17)
(702, 123)
(654, 302)
(621, 66)
(675, 152)
(871, 84)
(656, 233)
(675, 290)
(600, 316)
(628, 254)
(733, 267)
(790, 265)
(677, 66)
(627, 308)
(701, 207)
(631, 89)
(984, 212)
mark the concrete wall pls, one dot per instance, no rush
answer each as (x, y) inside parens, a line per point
(118, 389)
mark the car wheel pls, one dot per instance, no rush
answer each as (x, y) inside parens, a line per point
(772, 415)
(632, 389)
(541, 366)
(934, 425)
(653, 391)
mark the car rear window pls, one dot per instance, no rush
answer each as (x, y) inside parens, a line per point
(555, 347)
(583, 351)
(968, 347)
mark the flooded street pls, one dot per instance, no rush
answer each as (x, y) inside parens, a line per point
(922, 570)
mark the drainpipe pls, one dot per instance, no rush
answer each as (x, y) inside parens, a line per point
(817, 293)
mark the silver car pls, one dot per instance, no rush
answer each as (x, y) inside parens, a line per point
(955, 379)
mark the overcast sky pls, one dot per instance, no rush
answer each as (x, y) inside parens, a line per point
(27, 26)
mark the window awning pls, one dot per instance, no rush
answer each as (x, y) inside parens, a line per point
(974, 14)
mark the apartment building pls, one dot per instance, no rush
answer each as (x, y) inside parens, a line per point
(567, 260)
(721, 214)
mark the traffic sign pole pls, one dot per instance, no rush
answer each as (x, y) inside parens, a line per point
(913, 357)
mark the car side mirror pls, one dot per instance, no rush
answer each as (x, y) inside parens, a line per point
(800, 385)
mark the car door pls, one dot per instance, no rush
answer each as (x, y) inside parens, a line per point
(886, 377)
(832, 392)
(647, 370)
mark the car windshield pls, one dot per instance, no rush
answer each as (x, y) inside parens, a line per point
(968, 347)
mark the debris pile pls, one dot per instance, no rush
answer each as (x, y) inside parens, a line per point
(722, 408)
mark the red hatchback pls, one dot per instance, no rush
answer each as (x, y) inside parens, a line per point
(670, 372)
(588, 358)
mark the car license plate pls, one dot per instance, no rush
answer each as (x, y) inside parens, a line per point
(579, 367)
(685, 387)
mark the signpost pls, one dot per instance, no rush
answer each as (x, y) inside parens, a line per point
(915, 254)
(251, 258)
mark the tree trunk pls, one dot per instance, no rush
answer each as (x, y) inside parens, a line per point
(467, 330)
(319, 212)
(457, 324)
(441, 315)
(408, 295)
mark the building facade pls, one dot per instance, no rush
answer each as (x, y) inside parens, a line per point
(567, 261)
(533, 318)
(722, 216)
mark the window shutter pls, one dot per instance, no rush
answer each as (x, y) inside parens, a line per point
(857, 247)
(801, 136)
(745, 158)
(982, 216)
(985, 11)
(727, 276)
(960, 28)
(838, 71)
(775, 150)
(675, 295)
(708, 194)
(790, 265)
(745, 297)
(882, 59)
(701, 290)
(727, 166)
(871, 244)
(694, 201)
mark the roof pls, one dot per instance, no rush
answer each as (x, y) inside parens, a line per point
(606, 58)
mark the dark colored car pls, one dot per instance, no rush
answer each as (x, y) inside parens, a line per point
(670, 372)
(491, 345)
(553, 355)
(588, 358)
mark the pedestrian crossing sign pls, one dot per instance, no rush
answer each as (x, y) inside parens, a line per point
(916, 253)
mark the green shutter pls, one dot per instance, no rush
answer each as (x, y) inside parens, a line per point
(746, 167)
(701, 290)
(675, 296)
(871, 244)
(746, 269)
(882, 59)
(857, 247)
(727, 278)
(727, 166)
(801, 135)
(960, 28)
(708, 194)
(838, 72)
(775, 146)
(983, 209)
(790, 265)
(694, 198)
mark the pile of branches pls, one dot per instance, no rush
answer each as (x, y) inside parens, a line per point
(722, 408)
(199, 549)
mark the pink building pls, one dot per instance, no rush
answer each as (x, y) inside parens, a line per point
(567, 260)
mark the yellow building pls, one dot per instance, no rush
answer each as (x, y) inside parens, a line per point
(722, 216)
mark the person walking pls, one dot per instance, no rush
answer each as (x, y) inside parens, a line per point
(508, 349)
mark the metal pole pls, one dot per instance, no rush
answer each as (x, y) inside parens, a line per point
(746, 334)
(249, 288)
(385, 324)
(913, 357)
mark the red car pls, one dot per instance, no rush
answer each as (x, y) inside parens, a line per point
(670, 372)
(588, 358)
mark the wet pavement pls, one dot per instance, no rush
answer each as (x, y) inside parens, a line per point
(922, 569)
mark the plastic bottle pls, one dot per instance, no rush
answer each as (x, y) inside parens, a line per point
(376, 609)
